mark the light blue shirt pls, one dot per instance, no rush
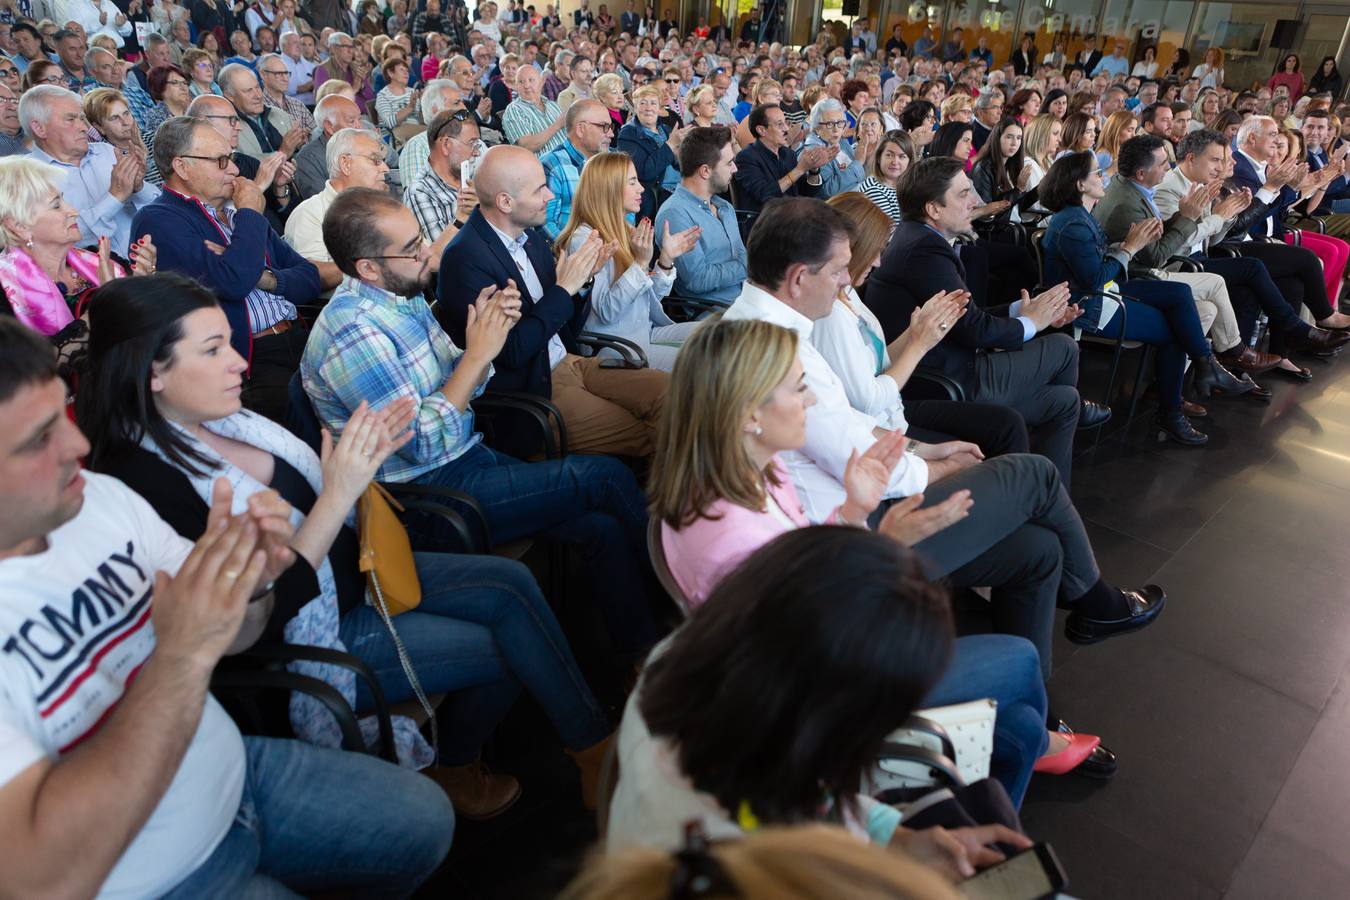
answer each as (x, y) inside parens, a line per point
(1148, 195)
(715, 268)
(86, 189)
(1112, 66)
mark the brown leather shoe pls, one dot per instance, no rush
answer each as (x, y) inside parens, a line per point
(1321, 341)
(1252, 361)
(591, 763)
(475, 792)
(1193, 410)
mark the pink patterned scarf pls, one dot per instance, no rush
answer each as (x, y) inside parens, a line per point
(37, 301)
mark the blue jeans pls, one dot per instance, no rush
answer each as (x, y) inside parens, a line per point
(481, 631)
(590, 502)
(314, 820)
(1163, 313)
(1008, 670)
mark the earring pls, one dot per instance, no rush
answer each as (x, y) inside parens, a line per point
(759, 429)
(29, 245)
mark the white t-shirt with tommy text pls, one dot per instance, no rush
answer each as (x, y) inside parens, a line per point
(74, 632)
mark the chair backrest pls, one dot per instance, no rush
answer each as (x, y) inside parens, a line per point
(657, 551)
(301, 419)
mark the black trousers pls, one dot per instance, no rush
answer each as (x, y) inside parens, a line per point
(276, 357)
(997, 429)
(1253, 291)
(1297, 272)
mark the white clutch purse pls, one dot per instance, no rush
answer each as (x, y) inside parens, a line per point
(920, 755)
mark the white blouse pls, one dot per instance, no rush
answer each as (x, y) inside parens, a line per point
(852, 342)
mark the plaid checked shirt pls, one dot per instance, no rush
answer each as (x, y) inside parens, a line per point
(433, 202)
(293, 108)
(368, 344)
(138, 101)
(563, 170)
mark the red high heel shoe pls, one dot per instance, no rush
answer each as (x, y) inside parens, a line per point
(1071, 757)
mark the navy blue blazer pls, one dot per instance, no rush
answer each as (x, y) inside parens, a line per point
(1245, 176)
(650, 157)
(1074, 250)
(917, 264)
(1339, 189)
(476, 258)
(757, 174)
(179, 228)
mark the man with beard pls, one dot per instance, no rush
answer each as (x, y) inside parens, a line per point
(715, 268)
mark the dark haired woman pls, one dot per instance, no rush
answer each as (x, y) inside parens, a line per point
(1290, 74)
(998, 173)
(159, 402)
(1161, 313)
(1327, 79)
(772, 702)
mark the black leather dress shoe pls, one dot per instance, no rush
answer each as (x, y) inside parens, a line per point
(1321, 342)
(1091, 414)
(1143, 604)
(1101, 762)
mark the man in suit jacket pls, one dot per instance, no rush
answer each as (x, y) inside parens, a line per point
(255, 274)
(768, 168)
(607, 410)
(1038, 376)
(629, 20)
(266, 129)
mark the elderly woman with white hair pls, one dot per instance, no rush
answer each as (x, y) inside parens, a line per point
(844, 172)
(44, 279)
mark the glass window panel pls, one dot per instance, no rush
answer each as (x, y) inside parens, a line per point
(1243, 31)
(1074, 22)
(1160, 24)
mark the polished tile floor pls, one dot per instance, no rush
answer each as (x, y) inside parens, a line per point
(1230, 715)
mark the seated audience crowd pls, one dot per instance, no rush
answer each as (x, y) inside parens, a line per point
(364, 369)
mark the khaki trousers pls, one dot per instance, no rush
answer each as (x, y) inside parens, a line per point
(613, 411)
(1214, 307)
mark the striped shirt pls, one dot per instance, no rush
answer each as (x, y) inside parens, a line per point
(368, 344)
(883, 195)
(292, 107)
(433, 202)
(265, 309)
(387, 107)
(522, 117)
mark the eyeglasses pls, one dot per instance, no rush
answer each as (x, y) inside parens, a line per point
(374, 159)
(176, 82)
(222, 162)
(233, 120)
(603, 126)
(274, 71)
(835, 123)
(668, 80)
(10, 101)
(8, 73)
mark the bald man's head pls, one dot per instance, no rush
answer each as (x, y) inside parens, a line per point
(220, 113)
(512, 190)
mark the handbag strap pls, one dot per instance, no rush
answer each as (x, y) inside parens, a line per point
(383, 609)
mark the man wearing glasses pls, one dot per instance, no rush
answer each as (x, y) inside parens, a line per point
(11, 132)
(209, 224)
(266, 131)
(273, 174)
(589, 131)
(276, 81)
(988, 110)
(439, 198)
(355, 159)
(342, 64)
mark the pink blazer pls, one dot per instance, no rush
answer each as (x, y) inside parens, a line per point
(699, 555)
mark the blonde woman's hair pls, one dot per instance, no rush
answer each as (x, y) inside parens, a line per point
(606, 83)
(726, 370)
(655, 91)
(954, 104)
(871, 233)
(25, 185)
(764, 86)
(1036, 138)
(694, 97)
(812, 95)
(598, 202)
(99, 102)
(806, 862)
(1110, 138)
